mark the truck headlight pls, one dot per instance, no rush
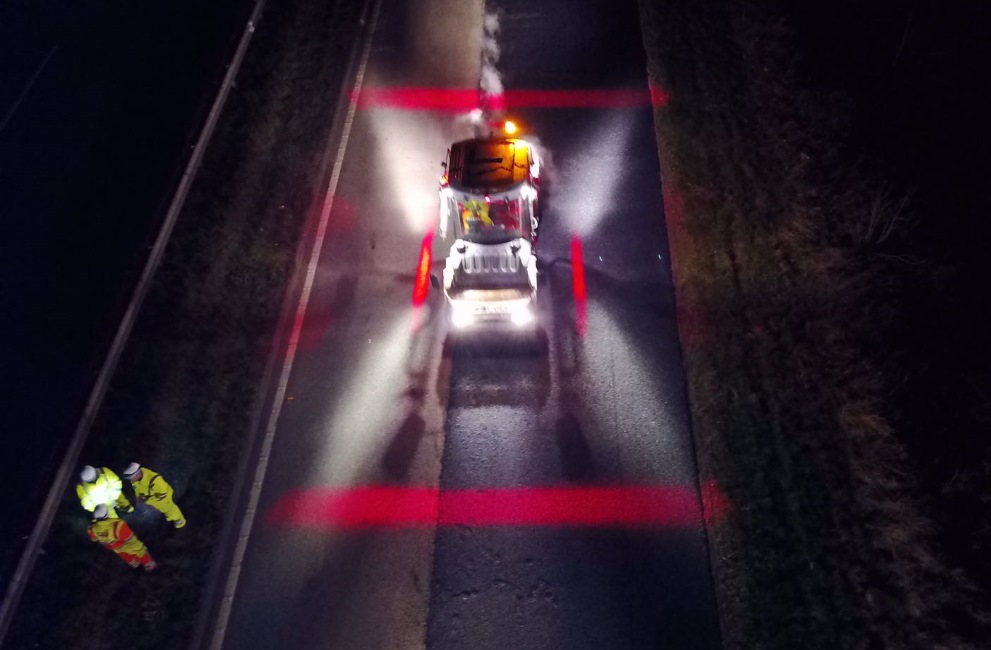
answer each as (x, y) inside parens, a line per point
(461, 317)
(522, 316)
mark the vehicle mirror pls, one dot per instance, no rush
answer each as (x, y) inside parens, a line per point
(434, 281)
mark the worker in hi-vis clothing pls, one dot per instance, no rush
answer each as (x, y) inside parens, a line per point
(102, 486)
(116, 535)
(151, 488)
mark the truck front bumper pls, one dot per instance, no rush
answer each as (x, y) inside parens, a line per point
(517, 314)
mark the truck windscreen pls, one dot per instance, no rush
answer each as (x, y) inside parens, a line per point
(494, 221)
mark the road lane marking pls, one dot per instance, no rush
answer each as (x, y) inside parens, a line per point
(261, 468)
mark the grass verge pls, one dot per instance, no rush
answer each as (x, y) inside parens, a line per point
(182, 397)
(777, 243)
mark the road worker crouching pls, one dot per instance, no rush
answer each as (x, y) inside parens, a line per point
(151, 488)
(116, 535)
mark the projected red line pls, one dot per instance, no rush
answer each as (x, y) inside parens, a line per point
(421, 286)
(602, 506)
(418, 507)
(461, 100)
(578, 285)
(454, 100)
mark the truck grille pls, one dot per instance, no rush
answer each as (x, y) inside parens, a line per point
(491, 263)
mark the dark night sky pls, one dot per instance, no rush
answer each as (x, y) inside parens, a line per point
(88, 162)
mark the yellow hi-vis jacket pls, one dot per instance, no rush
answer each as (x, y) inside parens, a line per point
(152, 487)
(116, 535)
(475, 210)
(106, 489)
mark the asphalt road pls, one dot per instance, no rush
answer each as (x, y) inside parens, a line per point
(490, 497)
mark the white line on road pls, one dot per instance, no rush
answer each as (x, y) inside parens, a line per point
(247, 523)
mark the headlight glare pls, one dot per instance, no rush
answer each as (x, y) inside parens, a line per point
(522, 316)
(461, 317)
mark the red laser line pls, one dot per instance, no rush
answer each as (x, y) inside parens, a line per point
(462, 100)
(421, 286)
(417, 507)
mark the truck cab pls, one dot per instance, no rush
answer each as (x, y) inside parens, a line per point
(488, 204)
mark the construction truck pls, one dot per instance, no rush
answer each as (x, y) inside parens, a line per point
(489, 192)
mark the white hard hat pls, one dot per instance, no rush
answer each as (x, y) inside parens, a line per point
(88, 474)
(101, 511)
(131, 470)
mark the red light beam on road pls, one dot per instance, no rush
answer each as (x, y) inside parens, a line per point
(361, 507)
(423, 507)
(658, 96)
(578, 286)
(570, 506)
(421, 286)
(462, 100)
(715, 503)
(448, 100)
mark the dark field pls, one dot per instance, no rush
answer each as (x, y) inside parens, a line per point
(824, 203)
(913, 75)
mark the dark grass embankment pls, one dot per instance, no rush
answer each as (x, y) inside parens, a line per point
(182, 398)
(916, 73)
(78, 164)
(783, 279)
